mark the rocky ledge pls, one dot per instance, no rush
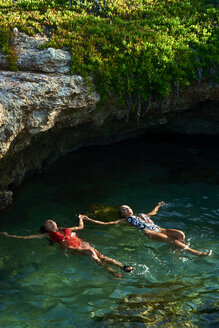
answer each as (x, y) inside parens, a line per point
(45, 112)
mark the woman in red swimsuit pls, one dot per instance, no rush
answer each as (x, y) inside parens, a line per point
(68, 239)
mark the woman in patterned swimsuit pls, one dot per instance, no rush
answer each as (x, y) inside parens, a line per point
(68, 239)
(151, 230)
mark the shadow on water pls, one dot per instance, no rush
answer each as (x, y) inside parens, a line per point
(91, 173)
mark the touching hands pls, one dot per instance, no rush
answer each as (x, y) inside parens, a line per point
(161, 203)
(83, 217)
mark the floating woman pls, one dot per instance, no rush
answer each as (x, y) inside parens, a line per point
(143, 222)
(68, 239)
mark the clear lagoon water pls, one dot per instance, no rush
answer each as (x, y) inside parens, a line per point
(42, 288)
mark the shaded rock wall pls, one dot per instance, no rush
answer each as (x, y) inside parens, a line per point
(45, 112)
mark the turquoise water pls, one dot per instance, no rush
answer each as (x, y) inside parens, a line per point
(39, 287)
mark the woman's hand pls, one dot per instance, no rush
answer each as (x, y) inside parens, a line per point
(5, 234)
(161, 204)
(83, 217)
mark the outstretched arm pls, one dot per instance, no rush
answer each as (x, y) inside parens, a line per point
(5, 234)
(100, 222)
(80, 226)
(155, 210)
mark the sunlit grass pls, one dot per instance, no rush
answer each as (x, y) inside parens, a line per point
(132, 48)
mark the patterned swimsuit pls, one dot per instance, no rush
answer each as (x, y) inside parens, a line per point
(146, 224)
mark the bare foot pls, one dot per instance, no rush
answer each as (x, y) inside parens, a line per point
(206, 253)
(127, 268)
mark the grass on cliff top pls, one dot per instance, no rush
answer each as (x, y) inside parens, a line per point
(134, 48)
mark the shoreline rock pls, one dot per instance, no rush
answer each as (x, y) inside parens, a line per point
(45, 112)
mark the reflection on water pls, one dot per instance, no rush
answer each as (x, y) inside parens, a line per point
(165, 305)
(39, 287)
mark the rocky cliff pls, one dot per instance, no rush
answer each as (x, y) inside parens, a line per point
(45, 112)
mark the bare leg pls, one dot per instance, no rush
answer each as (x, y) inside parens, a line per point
(182, 246)
(96, 256)
(100, 259)
(174, 234)
(163, 237)
(109, 260)
(84, 251)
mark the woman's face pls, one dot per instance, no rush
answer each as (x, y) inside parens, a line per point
(51, 225)
(126, 211)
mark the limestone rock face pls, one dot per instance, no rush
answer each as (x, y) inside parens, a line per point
(34, 102)
(45, 112)
(32, 58)
(3, 61)
(6, 199)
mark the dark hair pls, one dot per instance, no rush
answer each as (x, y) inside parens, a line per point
(43, 229)
(120, 214)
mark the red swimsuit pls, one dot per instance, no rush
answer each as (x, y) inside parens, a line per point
(69, 238)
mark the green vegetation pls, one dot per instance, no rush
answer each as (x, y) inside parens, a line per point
(132, 48)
